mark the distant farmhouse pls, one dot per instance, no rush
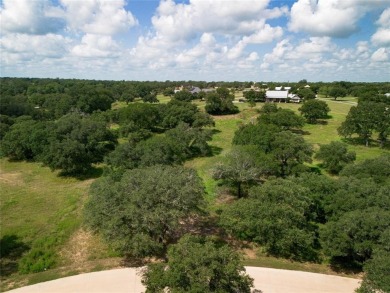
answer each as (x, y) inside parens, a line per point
(277, 96)
(281, 95)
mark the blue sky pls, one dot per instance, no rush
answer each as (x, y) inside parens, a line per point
(245, 40)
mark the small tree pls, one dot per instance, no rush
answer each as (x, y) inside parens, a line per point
(283, 118)
(244, 165)
(290, 151)
(220, 102)
(306, 94)
(335, 156)
(337, 92)
(198, 265)
(313, 110)
(364, 119)
(254, 96)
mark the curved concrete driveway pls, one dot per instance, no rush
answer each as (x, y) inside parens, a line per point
(128, 280)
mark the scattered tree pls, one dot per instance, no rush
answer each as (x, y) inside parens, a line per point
(254, 96)
(364, 119)
(244, 165)
(337, 92)
(254, 134)
(284, 118)
(76, 143)
(26, 140)
(184, 96)
(274, 215)
(306, 94)
(335, 156)
(313, 110)
(198, 265)
(220, 102)
(290, 151)
(141, 214)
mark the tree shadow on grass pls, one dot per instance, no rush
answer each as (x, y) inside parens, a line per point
(11, 249)
(346, 266)
(215, 131)
(301, 132)
(91, 173)
(321, 122)
(359, 141)
(214, 151)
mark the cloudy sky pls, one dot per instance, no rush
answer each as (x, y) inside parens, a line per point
(259, 40)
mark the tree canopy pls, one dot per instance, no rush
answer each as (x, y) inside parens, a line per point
(244, 165)
(274, 215)
(141, 214)
(220, 102)
(364, 119)
(313, 110)
(335, 156)
(198, 265)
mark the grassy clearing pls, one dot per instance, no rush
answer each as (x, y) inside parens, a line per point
(34, 200)
(39, 211)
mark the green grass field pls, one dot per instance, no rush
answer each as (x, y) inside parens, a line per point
(37, 205)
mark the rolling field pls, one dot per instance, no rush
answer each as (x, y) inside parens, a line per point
(43, 211)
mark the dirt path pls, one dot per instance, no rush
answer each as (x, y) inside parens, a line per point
(128, 280)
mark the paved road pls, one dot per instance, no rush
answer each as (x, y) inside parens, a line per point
(128, 280)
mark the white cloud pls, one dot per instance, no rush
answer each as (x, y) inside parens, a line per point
(380, 55)
(34, 47)
(335, 18)
(29, 17)
(382, 35)
(96, 46)
(266, 34)
(278, 53)
(384, 19)
(181, 22)
(207, 33)
(98, 16)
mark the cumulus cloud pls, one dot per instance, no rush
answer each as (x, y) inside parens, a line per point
(307, 55)
(96, 46)
(98, 16)
(380, 55)
(382, 35)
(37, 47)
(334, 18)
(207, 33)
(30, 17)
(179, 22)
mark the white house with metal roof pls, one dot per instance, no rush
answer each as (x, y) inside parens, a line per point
(276, 96)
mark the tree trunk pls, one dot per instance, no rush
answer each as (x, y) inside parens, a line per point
(239, 189)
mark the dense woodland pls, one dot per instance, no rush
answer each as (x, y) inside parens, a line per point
(146, 202)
